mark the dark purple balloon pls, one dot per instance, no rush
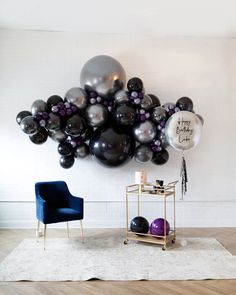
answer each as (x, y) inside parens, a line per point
(157, 227)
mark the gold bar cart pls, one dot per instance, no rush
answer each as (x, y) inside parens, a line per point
(151, 189)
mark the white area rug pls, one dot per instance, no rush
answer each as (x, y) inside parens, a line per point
(109, 259)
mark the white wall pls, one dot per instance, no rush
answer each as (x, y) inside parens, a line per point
(35, 65)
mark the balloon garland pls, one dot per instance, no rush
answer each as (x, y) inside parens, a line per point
(112, 124)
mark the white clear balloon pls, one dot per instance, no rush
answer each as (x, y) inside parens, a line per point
(183, 130)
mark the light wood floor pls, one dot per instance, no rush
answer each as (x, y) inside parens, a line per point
(9, 239)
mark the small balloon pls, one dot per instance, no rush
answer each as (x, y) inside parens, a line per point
(96, 115)
(155, 101)
(102, 74)
(143, 153)
(163, 140)
(158, 114)
(77, 96)
(81, 151)
(201, 119)
(67, 161)
(53, 122)
(135, 84)
(161, 157)
(168, 106)
(57, 135)
(65, 148)
(29, 125)
(144, 132)
(183, 130)
(22, 115)
(39, 137)
(121, 97)
(38, 106)
(146, 102)
(75, 126)
(53, 101)
(125, 115)
(185, 104)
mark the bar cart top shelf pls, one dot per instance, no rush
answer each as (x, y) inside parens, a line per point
(151, 189)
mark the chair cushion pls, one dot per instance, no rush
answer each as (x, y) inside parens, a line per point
(62, 214)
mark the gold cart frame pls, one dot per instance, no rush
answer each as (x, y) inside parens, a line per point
(147, 189)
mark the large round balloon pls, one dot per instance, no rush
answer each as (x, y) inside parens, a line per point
(135, 84)
(65, 148)
(144, 132)
(96, 115)
(77, 96)
(22, 115)
(125, 115)
(139, 224)
(121, 97)
(29, 125)
(157, 227)
(102, 74)
(39, 137)
(53, 101)
(183, 130)
(111, 147)
(143, 153)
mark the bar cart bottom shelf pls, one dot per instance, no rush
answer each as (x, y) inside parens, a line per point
(147, 238)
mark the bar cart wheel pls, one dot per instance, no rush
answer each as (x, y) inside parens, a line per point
(126, 242)
(164, 248)
(173, 241)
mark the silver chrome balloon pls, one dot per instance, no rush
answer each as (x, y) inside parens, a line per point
(38, 106)
(163, 140)
(183, 130)
(29, 125)
(96, 115)
(144, 132)
(103, 74)
(143, 153)
(146, 102)
(77, 96)
(121, 97)
(158, 114)
(82, 151)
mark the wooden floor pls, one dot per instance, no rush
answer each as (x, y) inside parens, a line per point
(9, 239)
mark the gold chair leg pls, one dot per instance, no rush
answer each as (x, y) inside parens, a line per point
(37, 232)
(44, 238)
(67, 229)
(82, 231)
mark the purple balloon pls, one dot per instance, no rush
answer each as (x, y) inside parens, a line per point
(157, 227)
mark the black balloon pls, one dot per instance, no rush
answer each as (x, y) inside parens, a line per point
(160, 158)
(67, 161)
(143, 153)
(125, 115)
(53, 122)
(53, 101)
(185, 104)
(155, 101)
(81, 151)
(22, 115)
(139, 224)
(57, 135)
(75, 126)
(65, 148)
(135, 84)
(111, 147)
(39, 137)
(29, 125)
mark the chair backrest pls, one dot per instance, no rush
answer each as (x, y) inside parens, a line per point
(53, 192)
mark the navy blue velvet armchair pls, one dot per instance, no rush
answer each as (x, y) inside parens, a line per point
(55, 203)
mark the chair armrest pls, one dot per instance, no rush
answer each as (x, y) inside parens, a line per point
(41, 208)
(76, 203)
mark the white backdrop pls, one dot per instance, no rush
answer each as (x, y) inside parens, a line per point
(35, 65)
